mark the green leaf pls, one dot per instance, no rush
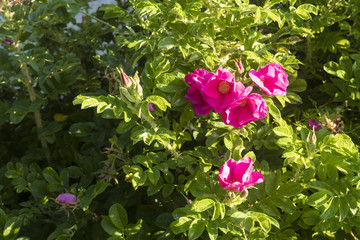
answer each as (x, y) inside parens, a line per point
(153, 175)
(212, 230)
(311, 217)
(118, 216)
(50, 175)
(202, 205)
(3, 219)
(196, 229)
(317, 199)
(159, 101)
(180, 225)
(228, 143)
(322, 186)
(331, 209)
(133, 229)
(304, 11)
(269, 208)
(124, 126)
(166, 43)
(290, 189)
(344, 208)
(283, 131)
(12, 227)
(109, 227)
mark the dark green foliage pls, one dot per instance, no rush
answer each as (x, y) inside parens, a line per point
(68, 123)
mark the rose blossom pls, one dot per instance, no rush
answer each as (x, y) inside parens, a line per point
(194, 93)
(67, 198)
(272, 79)
(151, 107)
(221, 90)
(197, 77)
(250, 107)
(314, 124)
(238, 175)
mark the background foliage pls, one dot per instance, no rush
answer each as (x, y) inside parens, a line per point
(68, 125)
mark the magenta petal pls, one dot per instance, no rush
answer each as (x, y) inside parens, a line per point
(238, 175)
(197, 77)
(254, 178)
(225, 175)
(66, 198)
(202, 109)
(242, 170)
(271, 78)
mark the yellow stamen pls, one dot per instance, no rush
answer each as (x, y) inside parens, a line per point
(223, 87)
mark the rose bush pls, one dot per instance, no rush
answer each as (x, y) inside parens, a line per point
(113, 105)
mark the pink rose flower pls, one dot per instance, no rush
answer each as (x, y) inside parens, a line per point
(221, 90)
(67, 198)
(238, 175)
(314, 124)
(197, 77)
(249, 108)
(194, 93)
(151, 107)
(272, 79)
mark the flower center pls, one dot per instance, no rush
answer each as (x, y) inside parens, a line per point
(223, 87)
(262, 78)
(243, 102)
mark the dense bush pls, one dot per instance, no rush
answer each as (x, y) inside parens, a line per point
(99, 139)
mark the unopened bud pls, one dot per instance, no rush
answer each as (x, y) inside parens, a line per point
(239, 68)
(311, 137)
(125, 81)
(67, 198)
(151, 107)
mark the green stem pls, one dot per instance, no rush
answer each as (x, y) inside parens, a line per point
(154, 126)
(31, 91)
(97, 19)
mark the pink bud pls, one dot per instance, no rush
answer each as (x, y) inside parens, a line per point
(239, 68)
(8, 41)
(67, 198)
(125, 79)
(151, 107)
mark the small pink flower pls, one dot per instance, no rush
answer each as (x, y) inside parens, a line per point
(272, 79)
(238, 175)
(8, 41)
(151, 107)
(314, 124)
(220, 89)
(249, 108)
(194, 93)
(67, 198)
